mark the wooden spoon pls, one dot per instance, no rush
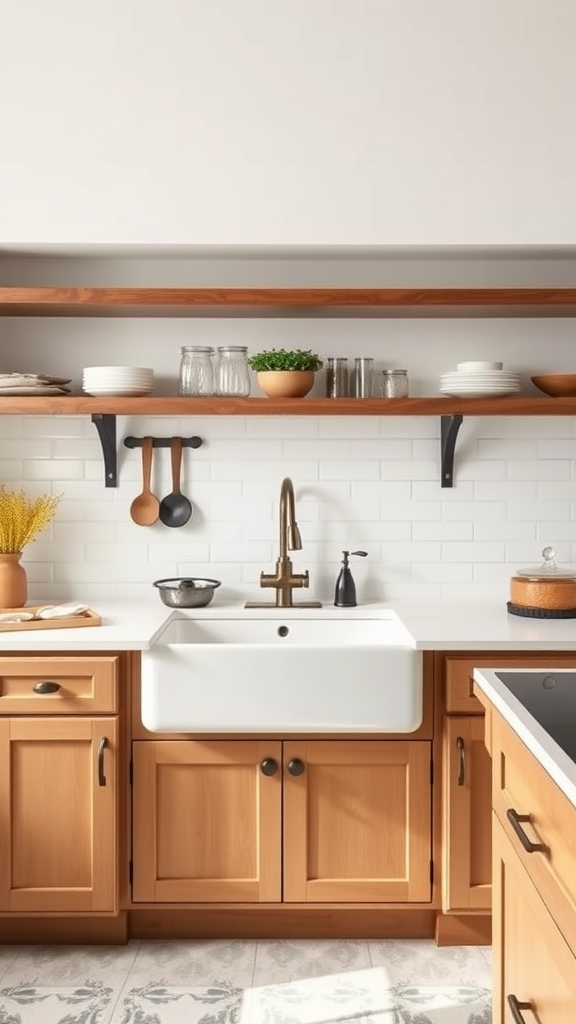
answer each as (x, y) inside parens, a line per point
(175, 509)
(145, 508)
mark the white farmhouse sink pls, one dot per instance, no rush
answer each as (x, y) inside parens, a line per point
(283, 674)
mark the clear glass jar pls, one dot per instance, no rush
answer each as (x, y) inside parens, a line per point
(196, 375)
(232, 373)
(395, 383)
(363, 368)
(337, 377)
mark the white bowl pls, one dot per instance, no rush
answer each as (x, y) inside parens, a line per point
(479, 364)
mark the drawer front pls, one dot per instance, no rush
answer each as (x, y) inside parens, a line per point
(540, 822)
(458, 671)
(58, 686)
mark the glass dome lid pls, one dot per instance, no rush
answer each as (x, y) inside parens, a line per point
(549, 568)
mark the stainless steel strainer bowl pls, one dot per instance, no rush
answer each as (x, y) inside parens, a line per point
(186, 591)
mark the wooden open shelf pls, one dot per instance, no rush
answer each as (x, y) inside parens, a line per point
(190, 302)
(71, 405)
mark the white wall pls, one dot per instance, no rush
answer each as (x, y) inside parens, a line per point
(288, 122)
(361, 482)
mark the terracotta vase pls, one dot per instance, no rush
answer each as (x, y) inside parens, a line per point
(285, 383)
(13, 581)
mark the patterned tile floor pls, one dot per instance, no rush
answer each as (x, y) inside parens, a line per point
(246, 982)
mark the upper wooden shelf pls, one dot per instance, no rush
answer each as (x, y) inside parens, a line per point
(70, 405)
(190, 302)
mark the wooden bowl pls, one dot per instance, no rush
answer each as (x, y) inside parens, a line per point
(558, 385)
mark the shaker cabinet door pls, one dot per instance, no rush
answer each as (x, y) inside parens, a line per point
(58, 815)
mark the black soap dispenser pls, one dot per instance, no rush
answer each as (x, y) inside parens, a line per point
(345, 593)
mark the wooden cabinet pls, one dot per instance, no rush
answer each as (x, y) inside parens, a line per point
(59, 742)
(534, 968)
(466, 847)
(300, 821)
(466, 798)
(58, 796)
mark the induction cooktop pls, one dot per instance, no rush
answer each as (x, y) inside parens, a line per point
(550, 697)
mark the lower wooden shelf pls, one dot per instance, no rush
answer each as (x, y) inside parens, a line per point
(158, 405)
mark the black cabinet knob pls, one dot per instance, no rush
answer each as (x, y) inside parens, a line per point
(47, 686)
(269, 766)
(296, 766)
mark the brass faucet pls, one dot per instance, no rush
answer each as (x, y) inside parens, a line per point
(285, 580)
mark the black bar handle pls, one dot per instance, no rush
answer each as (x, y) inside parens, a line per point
(269, 766)
(46, 686)
(514, 818)
(461, 761)
(101, 748)
(515, 1009)
(296, 766)
(163, 442)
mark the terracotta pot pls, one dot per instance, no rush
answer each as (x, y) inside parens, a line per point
(13, 581)
(285, 383)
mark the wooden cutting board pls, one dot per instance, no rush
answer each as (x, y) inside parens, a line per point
(87, 618)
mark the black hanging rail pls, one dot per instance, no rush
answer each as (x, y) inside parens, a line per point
(163, 442)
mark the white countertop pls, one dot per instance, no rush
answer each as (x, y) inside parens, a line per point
(134, 625)
(553, 759)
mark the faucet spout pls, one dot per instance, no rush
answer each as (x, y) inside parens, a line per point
(290, 538)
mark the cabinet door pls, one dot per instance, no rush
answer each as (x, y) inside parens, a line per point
(58, 815)
(206, 821)
(467, 867)
(532, 962)
(357, 821)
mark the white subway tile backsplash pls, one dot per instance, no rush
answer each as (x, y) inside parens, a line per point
(360, 469)
(442, 530)
(504, 530)
(508, 448)
(538, 511)
(478, 551)
(475, 511)
(411, 510)
(57, 473)
(541, 469)
(360, 482)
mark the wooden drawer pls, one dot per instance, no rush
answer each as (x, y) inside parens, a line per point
(533, 965)
(458, 670)
(520, 785)
(74, 685)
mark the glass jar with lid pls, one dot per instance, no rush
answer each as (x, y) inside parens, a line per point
(232, 373)
(196, 377)
(395, 383)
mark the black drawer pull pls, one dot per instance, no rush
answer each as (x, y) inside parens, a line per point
(296, 766)
(47, 686)
(101, 748)
(514, 818)
(461, 761)
(269, 766)
(516, 1007)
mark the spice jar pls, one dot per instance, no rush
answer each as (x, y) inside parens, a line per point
(196, 375)
(232, 374)
(337, 377)
(395, 383)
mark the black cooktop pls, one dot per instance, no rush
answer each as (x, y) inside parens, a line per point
(550, 697)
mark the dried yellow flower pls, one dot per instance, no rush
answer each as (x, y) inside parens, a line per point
(22, 518)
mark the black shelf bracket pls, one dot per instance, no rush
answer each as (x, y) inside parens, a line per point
(449, 427)
(163, 442)
(105, 424)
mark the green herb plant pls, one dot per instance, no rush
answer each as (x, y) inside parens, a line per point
(281, 359)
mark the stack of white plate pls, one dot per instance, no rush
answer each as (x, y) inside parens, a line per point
(117, 380)
(479, 379)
